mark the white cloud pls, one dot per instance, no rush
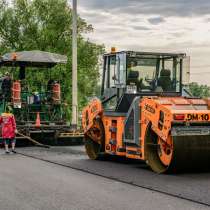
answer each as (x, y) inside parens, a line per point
(150, 25)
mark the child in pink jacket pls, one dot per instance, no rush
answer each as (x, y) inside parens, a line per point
(8, 124)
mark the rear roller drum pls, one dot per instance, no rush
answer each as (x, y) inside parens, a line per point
(165, 150)
(157, 153)
(178, 153)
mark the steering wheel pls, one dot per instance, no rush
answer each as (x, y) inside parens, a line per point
(151, 82)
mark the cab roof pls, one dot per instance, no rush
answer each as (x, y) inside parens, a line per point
(148, 54)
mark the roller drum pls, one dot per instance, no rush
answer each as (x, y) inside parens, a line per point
(190, 152)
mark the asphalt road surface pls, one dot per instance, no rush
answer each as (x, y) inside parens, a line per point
(194, 185)
(31, 184)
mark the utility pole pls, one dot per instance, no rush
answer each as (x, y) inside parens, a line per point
(74, 67)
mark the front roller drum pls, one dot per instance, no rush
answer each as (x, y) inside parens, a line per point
(95, 141)
(178, 153)
(92, 149)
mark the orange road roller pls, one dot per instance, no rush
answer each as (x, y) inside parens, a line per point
(146, 113)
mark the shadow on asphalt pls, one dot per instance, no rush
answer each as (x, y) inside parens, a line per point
(139, 164)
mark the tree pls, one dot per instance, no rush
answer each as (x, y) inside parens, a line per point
(199, 90)
(46, 25)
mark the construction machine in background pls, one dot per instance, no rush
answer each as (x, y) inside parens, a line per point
(142, 113)
(33, 90)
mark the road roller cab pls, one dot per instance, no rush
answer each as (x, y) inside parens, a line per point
(143, 114)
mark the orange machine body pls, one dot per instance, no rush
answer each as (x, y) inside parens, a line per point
(146, 113)
(114, 127)
(174, 109)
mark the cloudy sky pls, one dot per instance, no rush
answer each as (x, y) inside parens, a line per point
(154, 25)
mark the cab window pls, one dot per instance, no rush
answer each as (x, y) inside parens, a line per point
(141, 72)
(154, 74)
(169, 75)
(109, 72)
(108, 83)
(112, 71)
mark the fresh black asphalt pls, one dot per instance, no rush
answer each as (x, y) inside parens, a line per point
(190, 185)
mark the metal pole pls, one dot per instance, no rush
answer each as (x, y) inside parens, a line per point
(74, 67)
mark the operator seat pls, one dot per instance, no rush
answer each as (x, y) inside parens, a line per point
(133, 78)
(164, 80)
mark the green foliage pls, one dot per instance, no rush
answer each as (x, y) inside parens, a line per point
(199, 90)
(46, 25)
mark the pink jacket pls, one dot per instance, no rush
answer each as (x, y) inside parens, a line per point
(8, 124)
